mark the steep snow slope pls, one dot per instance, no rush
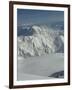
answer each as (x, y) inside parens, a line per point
(43, 41)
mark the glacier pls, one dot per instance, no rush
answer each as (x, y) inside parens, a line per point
(43, 41)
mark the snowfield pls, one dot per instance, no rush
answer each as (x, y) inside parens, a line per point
(40, 67)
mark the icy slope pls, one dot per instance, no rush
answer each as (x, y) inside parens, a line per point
(43, 41)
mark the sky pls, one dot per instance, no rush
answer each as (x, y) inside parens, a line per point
(30, 17)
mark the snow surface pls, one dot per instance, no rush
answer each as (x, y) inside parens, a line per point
(40, 67)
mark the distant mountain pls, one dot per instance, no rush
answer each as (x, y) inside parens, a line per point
(57, 25)
(40, 40)
(24, 30)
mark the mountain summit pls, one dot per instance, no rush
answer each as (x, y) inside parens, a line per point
(43, 41)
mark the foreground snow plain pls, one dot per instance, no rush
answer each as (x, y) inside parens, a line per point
(41, 67)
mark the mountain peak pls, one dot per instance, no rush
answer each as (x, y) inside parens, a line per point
(44, 40)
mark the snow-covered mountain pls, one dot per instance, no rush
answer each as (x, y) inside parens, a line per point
(42, 41)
